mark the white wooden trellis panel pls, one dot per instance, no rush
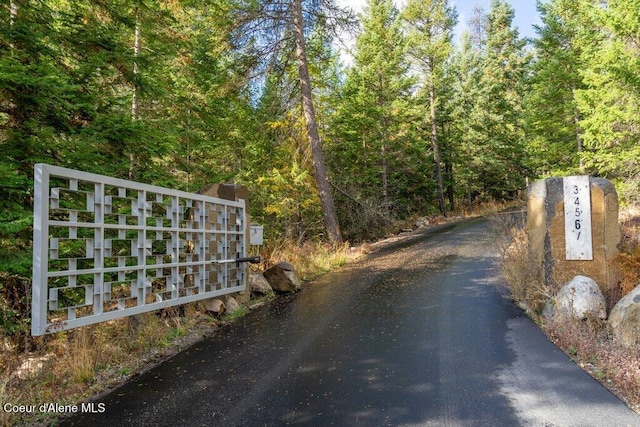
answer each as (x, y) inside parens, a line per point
(106, 248)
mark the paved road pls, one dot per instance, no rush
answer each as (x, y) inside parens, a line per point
(419, 333)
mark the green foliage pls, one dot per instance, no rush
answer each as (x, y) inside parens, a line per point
(582, 106)
(430, 33)
(15, 302)
(552, 116)
(502, 90)
(487, 74)
(216, 103)
(609, 100)
(369, 149)
(289, 203)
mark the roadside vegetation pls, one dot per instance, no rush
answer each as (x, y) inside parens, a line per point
(73, 366)
(420, 121)
(589, 343)
(70, 367)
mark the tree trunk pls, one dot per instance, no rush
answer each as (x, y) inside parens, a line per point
(13, 12)
(436, 148)
(385, 182)
(383, 152)
(576, 123)
(135, 107)
(326, 199)
(137, 41)
(579, 145)
(448, 168)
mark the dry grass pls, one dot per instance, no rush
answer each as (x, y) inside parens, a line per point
(310, 259)
(628, 260)
(589, 343)
(520, 269)
(70, 367)
(522, 272)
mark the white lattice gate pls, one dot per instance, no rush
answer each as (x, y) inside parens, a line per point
(106, 248)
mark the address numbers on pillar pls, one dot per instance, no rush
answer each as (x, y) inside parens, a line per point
(577, 218)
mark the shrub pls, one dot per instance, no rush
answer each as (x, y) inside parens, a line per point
(628, 259)
(520, 269)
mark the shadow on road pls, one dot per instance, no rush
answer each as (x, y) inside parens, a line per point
(418, 333)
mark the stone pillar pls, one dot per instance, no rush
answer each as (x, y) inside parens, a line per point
(545, 222)
(233, 192)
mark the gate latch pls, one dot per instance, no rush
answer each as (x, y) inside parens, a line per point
(250, 260)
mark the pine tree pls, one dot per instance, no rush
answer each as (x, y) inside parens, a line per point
(553, 130)
(466, 116)
(500, 125)
(268, 28)
(38, 101)
(430, 27)
(368, 120)
(609, 102)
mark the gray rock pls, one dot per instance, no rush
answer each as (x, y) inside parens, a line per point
(422, 222)
(232, 305)
(282, 278)
(581, 298)
(213, 306)
(624, 319)
(549, 311)
(259, 285)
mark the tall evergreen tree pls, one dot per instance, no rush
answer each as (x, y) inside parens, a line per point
(609, 102)
(265, 27)
(553, 131)
(38, 102)
(317, 152)
(466, 116)
(207, 114)
(368, 120)
(430, 27)
(500, 127)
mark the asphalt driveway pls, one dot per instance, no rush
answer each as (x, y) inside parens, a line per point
(418, 333)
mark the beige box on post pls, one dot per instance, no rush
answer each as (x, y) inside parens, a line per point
(546, 222)
(256, 235)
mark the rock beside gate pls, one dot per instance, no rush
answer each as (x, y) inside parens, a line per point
(213, 306)
(282, 278)
(259, 285)
(232, 305)
(625, 319)
(581, 298)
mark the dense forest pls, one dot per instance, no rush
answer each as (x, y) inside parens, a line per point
(420, 120)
